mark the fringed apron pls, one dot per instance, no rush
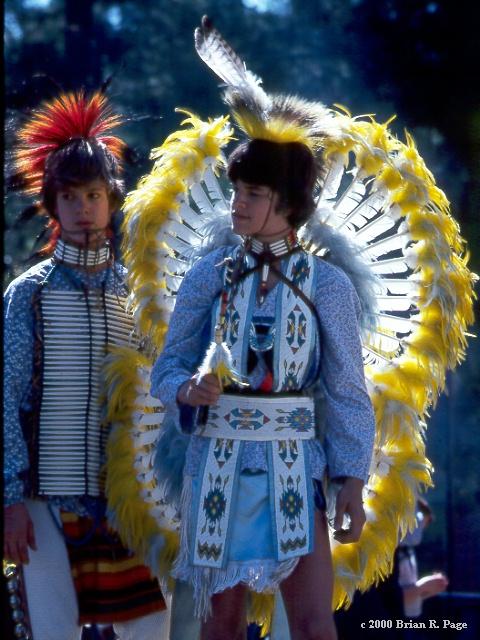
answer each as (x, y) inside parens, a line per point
(252, 527)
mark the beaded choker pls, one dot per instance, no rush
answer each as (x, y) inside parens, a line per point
(78, 256)
(267, 252)
(275, 249)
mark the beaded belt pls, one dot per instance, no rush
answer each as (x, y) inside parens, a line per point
(243, 417)
(283, 423)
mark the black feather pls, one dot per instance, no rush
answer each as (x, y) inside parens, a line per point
(106, 83)
(27, 214)
(130, 156)
(16, 182)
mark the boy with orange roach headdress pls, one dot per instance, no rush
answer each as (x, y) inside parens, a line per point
(61, 318)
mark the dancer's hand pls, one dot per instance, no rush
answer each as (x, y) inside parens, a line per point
(349, 502)
(199, 391)
(18, 534)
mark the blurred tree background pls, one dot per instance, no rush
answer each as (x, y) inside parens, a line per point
(415, 58)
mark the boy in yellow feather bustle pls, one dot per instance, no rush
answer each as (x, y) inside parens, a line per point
(337, 245)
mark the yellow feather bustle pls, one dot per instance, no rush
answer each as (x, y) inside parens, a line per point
(178, 163)
(405, 388)
(401, 391)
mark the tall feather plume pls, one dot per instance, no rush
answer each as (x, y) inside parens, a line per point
(278, 118)
(71, 115)
(228, 66)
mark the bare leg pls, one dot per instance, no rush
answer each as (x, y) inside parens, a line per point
(184, 626)
(307, 592)
(229, 615)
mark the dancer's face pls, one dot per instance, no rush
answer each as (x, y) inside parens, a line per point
(84, 213)
(254, 210)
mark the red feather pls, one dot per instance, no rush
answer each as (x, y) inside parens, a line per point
(55, 230)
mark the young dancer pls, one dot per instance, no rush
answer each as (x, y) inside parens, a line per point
(61, 318)
(295, 328)
(261, 369)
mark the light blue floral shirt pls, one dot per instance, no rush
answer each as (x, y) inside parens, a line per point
(346, 445)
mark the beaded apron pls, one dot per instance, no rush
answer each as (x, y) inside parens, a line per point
(283, 421)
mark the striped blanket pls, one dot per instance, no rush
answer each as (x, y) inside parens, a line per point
(111, 584)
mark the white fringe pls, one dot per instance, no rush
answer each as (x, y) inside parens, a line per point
(264, 575)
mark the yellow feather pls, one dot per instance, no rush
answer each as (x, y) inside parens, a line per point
(275, 129)
(390, 177)
(405, 389)
(260, 610)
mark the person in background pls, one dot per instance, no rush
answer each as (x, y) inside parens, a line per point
(399, 596)
(416, 590)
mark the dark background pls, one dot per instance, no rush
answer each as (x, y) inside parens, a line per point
(414, 58)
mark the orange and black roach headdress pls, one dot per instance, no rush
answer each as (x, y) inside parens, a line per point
(67, 141)
(54, 125)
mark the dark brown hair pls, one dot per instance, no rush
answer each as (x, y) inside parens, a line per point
(78, 162)
(288, 168)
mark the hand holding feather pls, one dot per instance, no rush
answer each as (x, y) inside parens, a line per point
(349, 504)
(200, 390)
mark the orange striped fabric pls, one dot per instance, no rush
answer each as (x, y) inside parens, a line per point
(111, 584)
